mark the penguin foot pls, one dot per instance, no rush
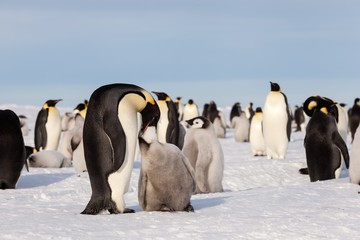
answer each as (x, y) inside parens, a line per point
(304, 171)
(166, 209)
(129, 210)
(189, 208)
(96, 206)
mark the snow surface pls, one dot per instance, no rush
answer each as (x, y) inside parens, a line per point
(263, 199)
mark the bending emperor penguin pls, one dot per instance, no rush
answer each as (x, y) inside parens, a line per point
(12, 149)
(110, 138)
(323, 143)
(167, 179)
(205, 154)
(48, 127)
(168, 126)
(276, 123)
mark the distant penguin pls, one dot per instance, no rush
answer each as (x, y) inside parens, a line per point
(217, 118)
(23, 125)
(48, 126)
(323, 143)
(249, 111)
(67, 121)
(167, 179)
(110, 138)
(343, 122)
(354, 168)
(354, 118)
(242, 128)
(256, 137)
(235, 112)
(276, 123)
(12, 149)
(179, 107)
(168, 126)
(299, 118)
(48, 159)
(190, 110)
(205, 154)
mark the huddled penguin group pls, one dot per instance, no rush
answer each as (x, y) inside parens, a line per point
(181, 152)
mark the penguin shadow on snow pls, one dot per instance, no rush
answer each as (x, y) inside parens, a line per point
(207, 202)
(38, 180)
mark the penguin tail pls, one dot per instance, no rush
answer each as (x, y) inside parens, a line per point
(304, 171)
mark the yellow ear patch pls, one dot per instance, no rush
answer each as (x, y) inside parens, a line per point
(324, 110)
(167, 99)
(312, 105)
(148, 97)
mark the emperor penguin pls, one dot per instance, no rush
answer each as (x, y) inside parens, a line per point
(168, 126)
(249, 111)
(276, 123)
(110, 138)
(190, 110)
(343, 121)
(23, 125)
(256, 137)
(242, 128)
(205, 154)
(354, 168)
(323, 143)
(48, 126)
(167, 179)
(179, 107)
(217, 118)
(299, 118)
(235, 112)
(354, 118)
(12, 149)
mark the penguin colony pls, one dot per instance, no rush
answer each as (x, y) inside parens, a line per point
(103, 137)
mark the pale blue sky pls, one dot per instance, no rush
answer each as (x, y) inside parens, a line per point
(226, 51)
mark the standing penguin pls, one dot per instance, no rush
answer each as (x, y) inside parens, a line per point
(354, 118)
(343, 121)
(12, 149)
(167, 179)
(235, 112)
(205, 154)
(354, 168)
(256, 137)
(23, 125)
(242, 128)
(249, 111)
(323, 143)
(110, 137)
(168, 127)
(276, 123)
(190, 111)
(179, 107)
(299, 118)
(48, 126)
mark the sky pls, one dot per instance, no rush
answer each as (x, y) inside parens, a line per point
(226, 51)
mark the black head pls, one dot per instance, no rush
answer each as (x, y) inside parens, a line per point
(162, 96)
(258, 110)
(150, 115)
(52, 102)
(198, 122)
(274, 87)
(323, 104)
(191, 101)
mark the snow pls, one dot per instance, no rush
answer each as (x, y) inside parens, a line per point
(263, 199)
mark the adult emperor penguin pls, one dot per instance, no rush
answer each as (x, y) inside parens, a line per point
(12, 149)
(354, 118)
(276, 123)
(179, 107)
(256, 137)
(190, 110)
(343, 121)
(168, 127)
(354, 168)
(323, 143)
(205, 154)
(167, 179)
(48, 126)
(110, 137)
(299, 118)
